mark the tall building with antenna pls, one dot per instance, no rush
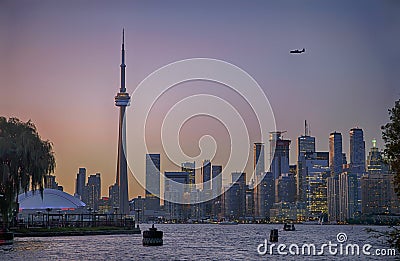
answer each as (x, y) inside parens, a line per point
(305, 150)
(305, 143)
(122, 100)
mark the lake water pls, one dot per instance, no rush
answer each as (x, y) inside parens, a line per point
(195, 242)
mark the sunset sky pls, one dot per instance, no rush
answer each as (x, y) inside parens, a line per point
(59, 67)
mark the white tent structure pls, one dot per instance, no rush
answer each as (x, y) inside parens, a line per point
(52, 198)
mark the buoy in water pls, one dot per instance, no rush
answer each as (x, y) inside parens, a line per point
(273, 237)
(152, 237)
(6, 237)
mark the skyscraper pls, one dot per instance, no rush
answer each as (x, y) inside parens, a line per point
(357, 151)
(113, 194)
(194, 193)
(305, 149)
(335, 153)
(249, 201)
(315, 187)
(152, 194)
(217, 180)
(206, 193)
(93, 191)
(206, 174)
(279, 153)
(266, 188)
(259, 169)
(259, 160)
(174, 192)
(235, 197)
(285, 187)
(50, 182)
(332, 184)
(348, 199)
(357, 159)
(377, 187)
(378, 194)
(122, 100)
(305, 143)
(80, 183)
(336, 168)
(375, 163)
(216, 171)
(190, 167)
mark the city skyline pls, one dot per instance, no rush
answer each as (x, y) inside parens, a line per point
(341, 82)
(330, 194)
(306, 150)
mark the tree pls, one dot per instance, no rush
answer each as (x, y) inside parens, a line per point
(25, 159)
(391, 136)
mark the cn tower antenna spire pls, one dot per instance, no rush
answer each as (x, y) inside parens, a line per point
(306, 129)
(123, 89)
(123, 43)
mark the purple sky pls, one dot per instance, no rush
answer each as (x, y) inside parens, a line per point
(59, 67)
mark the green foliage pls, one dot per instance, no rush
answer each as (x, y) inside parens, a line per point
(391, 136)
(391, 236)
(25, 159)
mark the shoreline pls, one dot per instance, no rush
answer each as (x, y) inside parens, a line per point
(74, 232)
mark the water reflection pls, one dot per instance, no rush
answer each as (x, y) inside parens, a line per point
(186, 242)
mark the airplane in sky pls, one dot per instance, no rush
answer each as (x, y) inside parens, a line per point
(298, 51)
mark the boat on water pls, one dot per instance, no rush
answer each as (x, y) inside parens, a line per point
(152, 237)
(228, 223)
(289, 227)
(6, 237)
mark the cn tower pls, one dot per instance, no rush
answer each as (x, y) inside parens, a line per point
(122, 100)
